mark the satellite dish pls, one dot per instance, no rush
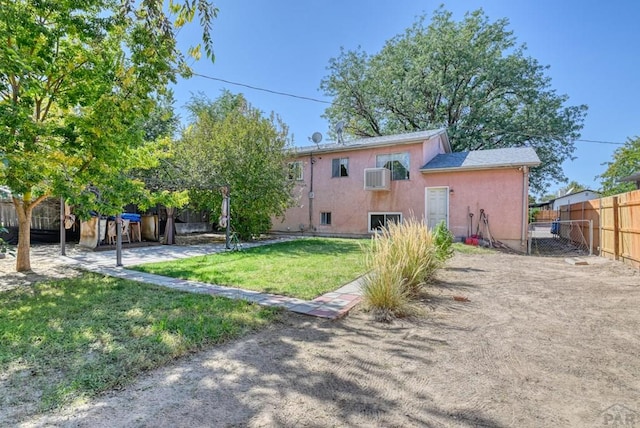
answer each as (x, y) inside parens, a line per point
(339, 129)
(316, 137)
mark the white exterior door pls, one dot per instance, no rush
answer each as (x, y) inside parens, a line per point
(436, 206)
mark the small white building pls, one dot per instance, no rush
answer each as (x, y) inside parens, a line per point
(572, 198)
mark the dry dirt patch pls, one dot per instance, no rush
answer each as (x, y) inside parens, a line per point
(539, 343)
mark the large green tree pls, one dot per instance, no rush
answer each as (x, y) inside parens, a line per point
(229, 142)
(77, 80)
(470, 77)
(626, 161)
(165, 183)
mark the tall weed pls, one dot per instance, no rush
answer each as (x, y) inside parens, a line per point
(443, 240)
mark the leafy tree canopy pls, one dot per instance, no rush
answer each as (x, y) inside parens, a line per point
(626, 161)
(229, 142)
(77, 80)
(468, 76)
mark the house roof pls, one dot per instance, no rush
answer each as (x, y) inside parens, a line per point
(5, 192)
(551, 201)
(385, 140)
(483, 159)
(575, 193)
(633, 177)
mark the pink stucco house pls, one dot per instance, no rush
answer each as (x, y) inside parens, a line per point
(355, 188)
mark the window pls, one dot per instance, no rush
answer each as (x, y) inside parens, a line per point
(340, 167)
(397, 163)
(325, 218)
(378, 221)
(295, 170)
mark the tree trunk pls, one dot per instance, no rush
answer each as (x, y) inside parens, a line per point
(23, 258)
(169, 230)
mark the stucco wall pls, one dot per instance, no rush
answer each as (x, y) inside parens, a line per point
(498, 192)
(346, 198)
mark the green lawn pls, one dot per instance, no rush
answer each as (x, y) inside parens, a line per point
(303, 268)
(70, 339)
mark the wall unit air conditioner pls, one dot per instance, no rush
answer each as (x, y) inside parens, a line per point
(377, 179)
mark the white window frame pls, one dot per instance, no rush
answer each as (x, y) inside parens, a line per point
(293, 167)
(341, 162)
(390, 158)
(385, 213)
(323, 218)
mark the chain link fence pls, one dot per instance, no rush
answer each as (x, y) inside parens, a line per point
(561, 238)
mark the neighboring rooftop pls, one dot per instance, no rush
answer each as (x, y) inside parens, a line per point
(482, 159)
(385, 140)
(633, 177)
(550, 202)
(5, 192)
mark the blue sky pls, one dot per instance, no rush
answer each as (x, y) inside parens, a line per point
(590, 46)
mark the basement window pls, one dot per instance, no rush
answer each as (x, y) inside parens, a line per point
(325, 218)
(379, 221)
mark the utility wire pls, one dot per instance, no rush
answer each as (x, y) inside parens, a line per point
(317, 100)
(244, 85)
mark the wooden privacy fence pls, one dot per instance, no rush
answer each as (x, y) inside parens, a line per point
(617, 218)
(546, 215)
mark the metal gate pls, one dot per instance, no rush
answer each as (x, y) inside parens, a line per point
(561, 238)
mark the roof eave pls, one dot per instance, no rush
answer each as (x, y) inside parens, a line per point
(402, 140)
(479, 167)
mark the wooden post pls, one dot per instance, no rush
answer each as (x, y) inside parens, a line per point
(63, 233)
(118, 240)
(616, 230)
(227, 197)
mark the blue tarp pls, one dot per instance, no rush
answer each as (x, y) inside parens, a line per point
(131, 217)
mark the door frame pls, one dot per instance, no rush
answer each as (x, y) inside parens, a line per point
(426, 203)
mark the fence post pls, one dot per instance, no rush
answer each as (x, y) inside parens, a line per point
(590, 237)
(616, 230)
(600, 232)
(63, 232)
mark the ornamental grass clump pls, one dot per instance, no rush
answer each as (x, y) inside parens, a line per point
(385, 294)
(401, 260)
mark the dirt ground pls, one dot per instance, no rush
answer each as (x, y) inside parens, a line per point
(539, 343)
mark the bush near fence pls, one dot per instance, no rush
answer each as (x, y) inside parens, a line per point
(617, 220)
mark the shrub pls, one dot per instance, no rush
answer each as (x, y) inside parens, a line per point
(443, 240)
(401, 260)
(533, 214)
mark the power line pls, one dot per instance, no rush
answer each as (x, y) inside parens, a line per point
(601, 142)
(244, 85)
(317, 100)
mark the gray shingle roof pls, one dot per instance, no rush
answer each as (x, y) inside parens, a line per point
(385, 140)
(482, 159)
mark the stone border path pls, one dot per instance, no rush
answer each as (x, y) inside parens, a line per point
(332, 305)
